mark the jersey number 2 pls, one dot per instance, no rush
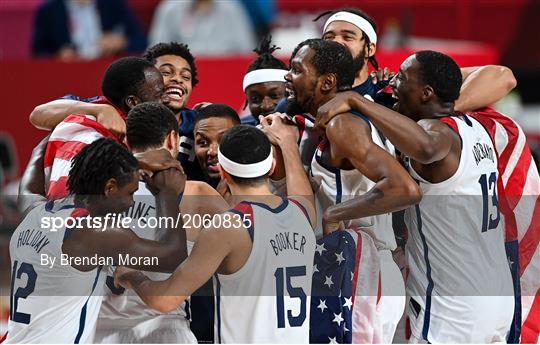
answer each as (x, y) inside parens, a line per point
(488, 223)
(297, 292)
(21, 292)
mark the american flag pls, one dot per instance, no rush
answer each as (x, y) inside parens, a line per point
(67, 139)
(518, 189)
(345, 290)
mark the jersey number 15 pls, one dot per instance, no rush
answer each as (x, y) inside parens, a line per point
(294, 292)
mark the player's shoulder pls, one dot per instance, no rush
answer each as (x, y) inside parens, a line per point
(443, 124)
(199, 188)
(348, 126)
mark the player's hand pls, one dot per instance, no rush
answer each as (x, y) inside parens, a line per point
(108, 117)
(382, 75)
(166, 181)
(338, 105)
(156, 160)
(122, 276)
(330, 227)
(279, 129)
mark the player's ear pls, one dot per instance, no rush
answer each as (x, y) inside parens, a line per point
(329, 82)
(271, 172)
(223, 174)
(427, 93)
(131, 101)
(171, 141)
(371, 49)
(111, 186)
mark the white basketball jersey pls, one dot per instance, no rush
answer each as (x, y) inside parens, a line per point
(455, 248)
(333, 186)
(123, 308)
(57, 304)
(268, 299)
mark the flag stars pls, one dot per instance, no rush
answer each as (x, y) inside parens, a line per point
(339, 258)
(322, 305)
(315, 269)
(348, 302)
(319, 248)
(328, 281)
(338, 319)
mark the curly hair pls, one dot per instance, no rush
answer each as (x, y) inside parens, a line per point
(173, 48)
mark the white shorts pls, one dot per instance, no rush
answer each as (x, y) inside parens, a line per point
(154, 331)
(461, 319)
(391, 306)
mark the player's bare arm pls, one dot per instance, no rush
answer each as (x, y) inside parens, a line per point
(483, 86)
(169, 250)
(394, 190)
(200, 200)
(426, 142)
(49, 115)
(32, 184)
(285, 137)
(211, 253)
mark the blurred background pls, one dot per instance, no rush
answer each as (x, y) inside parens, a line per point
(49, 48)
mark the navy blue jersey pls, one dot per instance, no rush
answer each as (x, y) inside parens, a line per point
(249, 120)
(370, 89)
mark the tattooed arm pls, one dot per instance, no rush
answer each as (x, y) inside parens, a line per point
(394, 189)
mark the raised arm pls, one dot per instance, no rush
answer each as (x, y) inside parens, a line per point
(425, 144)
(394, 189)
(286, 137)
(49, 115)
(483, 86)
(32, 184)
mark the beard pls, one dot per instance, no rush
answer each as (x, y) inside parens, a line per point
(295, 107)
(359, 61)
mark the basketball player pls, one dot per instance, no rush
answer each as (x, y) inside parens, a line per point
(58, 275)
(125, 318)
(459, 281)
(211, 123)
(263, 267)
(356, 180)
(126, 83)
(263, 84)
(357, 31)
(177, 66)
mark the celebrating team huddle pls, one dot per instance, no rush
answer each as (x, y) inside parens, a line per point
(300, 203)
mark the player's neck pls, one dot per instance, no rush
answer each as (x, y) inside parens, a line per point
(361, 76)
(436, 110)
(270, 199)
(260, 193)
(324, 99)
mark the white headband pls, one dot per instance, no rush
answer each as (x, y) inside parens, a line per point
(263, 76)
(246, 170)
(354, 19)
